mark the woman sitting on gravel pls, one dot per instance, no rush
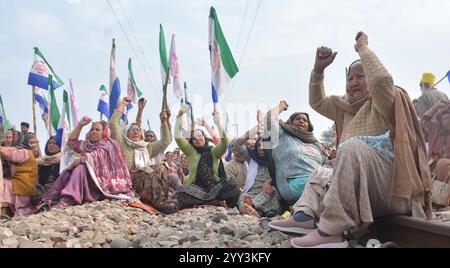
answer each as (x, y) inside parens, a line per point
(100, 173)
(381, 167)
(49, 163)
(207, 183)
(259, 197)
(151, 186)
(19, 175)
(293, 152)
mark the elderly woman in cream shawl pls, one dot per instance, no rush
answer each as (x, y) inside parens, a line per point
(151, 185)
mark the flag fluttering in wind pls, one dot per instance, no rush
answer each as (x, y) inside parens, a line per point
(40, 72)
(175, 69)
(3, 119)
(133, 91)
(103, 103)
(54, 115)
(73, 106)
(114, 82)
(42, 101)
(223, 65)
(62, 133)
(448, 76)
(163, 55)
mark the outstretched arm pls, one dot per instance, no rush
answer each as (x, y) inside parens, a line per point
(116, 130)
(317, 99)
(160, 146)
(379, 82)
(141, 107)
(75, 134)
(184, 146)
(220, 149)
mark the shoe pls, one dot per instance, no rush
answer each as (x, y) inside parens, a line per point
(270, 214)
(168, 209)
(290, 225)
(315, 240)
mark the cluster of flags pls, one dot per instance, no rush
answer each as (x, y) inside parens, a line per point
(45, 82)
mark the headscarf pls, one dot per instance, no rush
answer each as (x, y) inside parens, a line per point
(47, 152)
(255, 156)
(150, 131)
(141, 156)
(306, 137)
(205, 174)
(49, 159)
(349, 103)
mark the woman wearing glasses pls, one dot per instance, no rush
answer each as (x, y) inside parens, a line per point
(148, 183)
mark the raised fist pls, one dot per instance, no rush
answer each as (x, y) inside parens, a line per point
(164, 116)
(127, 100)
(324, 57)
(283, 106)
(361, 40)
(86, 120)
(141, 104)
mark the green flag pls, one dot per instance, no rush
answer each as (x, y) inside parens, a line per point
(163, 55)
(54, 111)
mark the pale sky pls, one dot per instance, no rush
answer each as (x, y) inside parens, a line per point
(409, 36)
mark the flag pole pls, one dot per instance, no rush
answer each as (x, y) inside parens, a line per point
(33, 97)
(440, 80)
(101, 117)
(165, 107)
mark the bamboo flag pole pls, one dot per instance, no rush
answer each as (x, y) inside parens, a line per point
(165, 107)
(33, 98)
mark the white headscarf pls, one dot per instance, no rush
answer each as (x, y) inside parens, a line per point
(142, 159)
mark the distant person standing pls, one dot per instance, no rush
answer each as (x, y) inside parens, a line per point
(26, 134)
(430, 95)
(25, 127)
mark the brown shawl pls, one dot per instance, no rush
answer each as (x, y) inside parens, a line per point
(411, 177)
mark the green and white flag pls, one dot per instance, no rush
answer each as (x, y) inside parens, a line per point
(223, 66)
(163, 55)
(133, 91)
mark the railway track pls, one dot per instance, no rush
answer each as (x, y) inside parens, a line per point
(407, 232)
